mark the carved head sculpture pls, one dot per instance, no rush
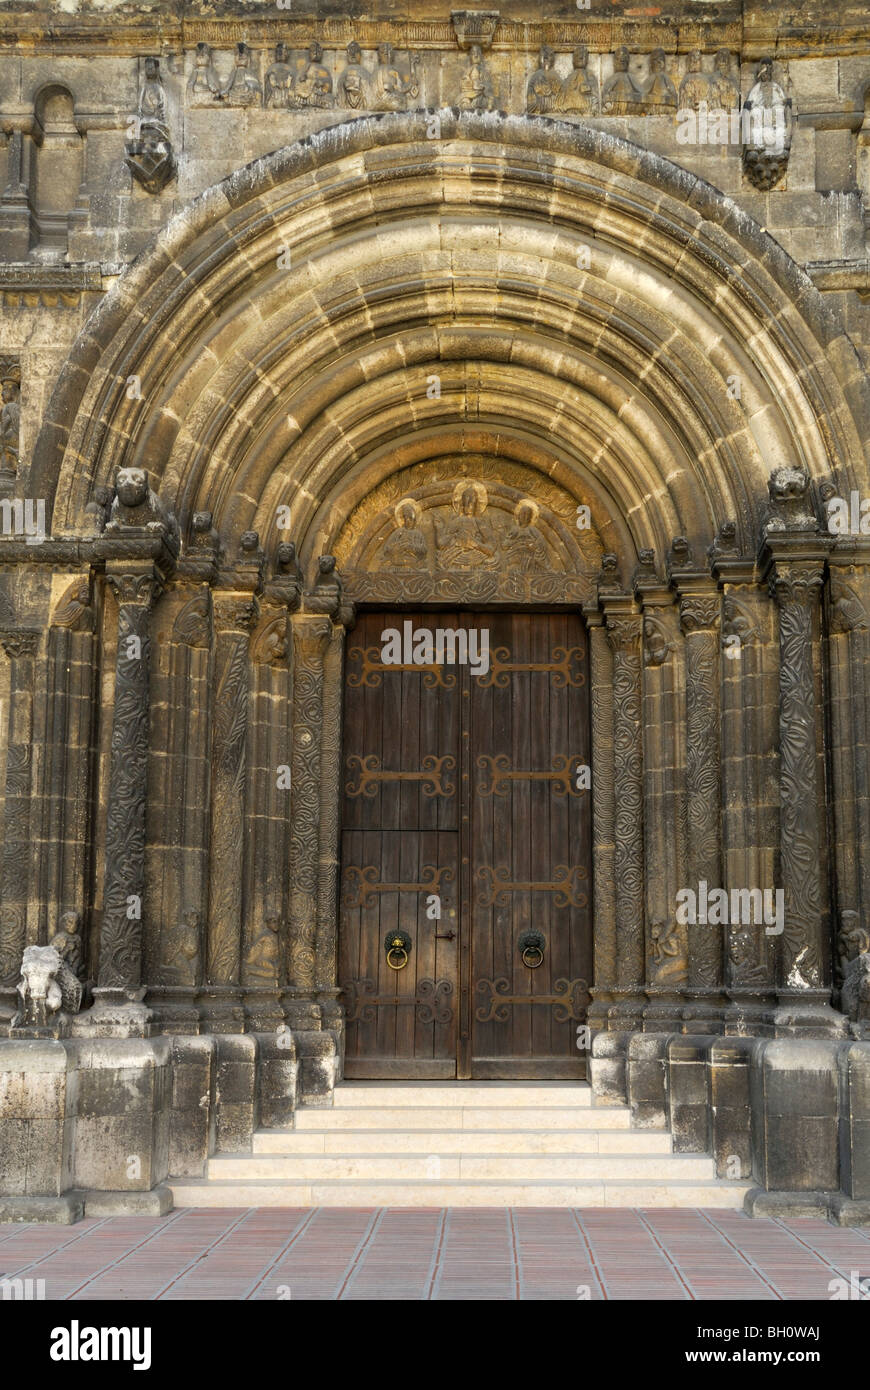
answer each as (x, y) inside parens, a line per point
(694, 64)
(406, 513)
(469, 498)
(548, 57)
(315, 52)
(202, 57)
(526, 512)
(722, 62)
(765, 70)
(657, 60)
(475, 55)
(621, 59)
(326, 566)
(10, 391)
(385, 53)
(249, 541)
(69, 923)
(280, 54)
(152, 69)
(201, 522)
(581, 56)
(354, 53)
(131, 486)
(286, 555)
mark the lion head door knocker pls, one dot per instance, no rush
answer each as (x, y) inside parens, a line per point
(397, 945)
(531, 945)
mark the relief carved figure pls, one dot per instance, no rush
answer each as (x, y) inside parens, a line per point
(406, 548)
(264, 958)
(767, 129)
(10, 422)
(695, 88)
(136, 505)
(148, 152)
(279, 81)
(466, 541)
(476, 91)
(243, 86)
(313, 86)
(204, 85)
(524, 547)
(724, 92)
(67, 941)
(392, 87)
(659, 95)
(580, 88)
(621, 96)
(352, 88)
(544, 91)
(181, 952)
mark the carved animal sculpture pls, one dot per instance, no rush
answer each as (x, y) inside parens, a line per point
(47, 985)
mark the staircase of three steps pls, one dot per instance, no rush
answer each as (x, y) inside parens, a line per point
(461, 1143)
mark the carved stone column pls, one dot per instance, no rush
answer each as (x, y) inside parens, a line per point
(699, 620)
(603, 810)
(136, 587)
(20, 647)
(804, 971)
(311, 637)
(624, 634)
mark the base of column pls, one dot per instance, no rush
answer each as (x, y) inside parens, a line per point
(116, 1013)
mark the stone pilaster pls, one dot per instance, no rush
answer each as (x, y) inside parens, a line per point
(848, 633)
(20, 648)
(235, 613)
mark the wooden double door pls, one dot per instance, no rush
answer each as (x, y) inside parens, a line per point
(465, 928)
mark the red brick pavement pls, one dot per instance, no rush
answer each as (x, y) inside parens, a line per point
(392, 1253)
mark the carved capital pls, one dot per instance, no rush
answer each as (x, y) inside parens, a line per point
(623, 633)
(699, 613)
(235, 612)
(800, 582)
(310, 639)
(140, 587)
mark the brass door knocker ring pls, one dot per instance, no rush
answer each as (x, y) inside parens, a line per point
(397, 945)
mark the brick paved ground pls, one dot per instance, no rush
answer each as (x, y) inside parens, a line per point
(332, 1253)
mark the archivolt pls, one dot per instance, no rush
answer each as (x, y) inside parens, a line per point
(587, 307)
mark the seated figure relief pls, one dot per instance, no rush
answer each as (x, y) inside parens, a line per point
(392, 87)
(580, 89)
(313, 86)
(279, 81)
(659, 95)
(524, 547)
(621, 95)
(476, 90)
(466, 541)
(406, 547)
(352, 88)
(544, 92)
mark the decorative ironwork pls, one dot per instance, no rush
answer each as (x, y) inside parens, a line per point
(561, 667)
(500, 771)
(428, 1001)
(496, 886)
(430, 775)
(371, 669)
(362, 884)
(569, 1001)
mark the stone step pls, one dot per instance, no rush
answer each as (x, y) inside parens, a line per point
(561, 1094)
(456, 1141)
(497, 1167)
(459, 1117)
(198, 1192)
